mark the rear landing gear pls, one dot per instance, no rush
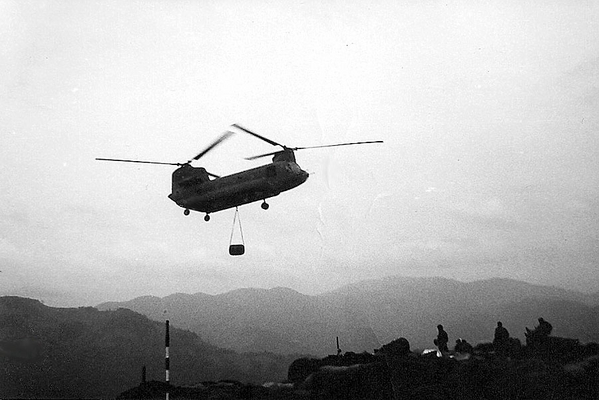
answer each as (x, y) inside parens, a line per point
(264, 205)
(206, 217)
(186, 212)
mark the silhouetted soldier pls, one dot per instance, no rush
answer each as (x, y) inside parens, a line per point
(501, 339)
(441, 340)
(538, 337)
(544, 328)
(462, 346)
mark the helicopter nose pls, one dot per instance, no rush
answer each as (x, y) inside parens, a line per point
(303, 175)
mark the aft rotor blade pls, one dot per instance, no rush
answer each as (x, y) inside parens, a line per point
(138, 161)
(267, 140)
(335, 145)
(218, 141)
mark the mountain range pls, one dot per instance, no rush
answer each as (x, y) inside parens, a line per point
(368, 314)
(99, 352)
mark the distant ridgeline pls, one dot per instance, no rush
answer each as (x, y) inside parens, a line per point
(50, 352)
(368, 314)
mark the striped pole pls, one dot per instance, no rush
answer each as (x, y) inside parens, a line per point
(167, 364)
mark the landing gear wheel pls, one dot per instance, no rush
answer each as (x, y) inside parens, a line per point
(206, 217)
(264, 205)
(186, 212)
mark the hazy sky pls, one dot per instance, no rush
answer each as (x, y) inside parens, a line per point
(489, 112)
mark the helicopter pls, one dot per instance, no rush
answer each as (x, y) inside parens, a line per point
(194, 188)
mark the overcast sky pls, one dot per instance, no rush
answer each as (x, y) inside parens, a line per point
(489, 112)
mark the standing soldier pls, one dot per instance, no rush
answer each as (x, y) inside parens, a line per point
(501, 339)
(441, 340)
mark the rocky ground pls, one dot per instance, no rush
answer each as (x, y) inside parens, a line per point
(395, 372)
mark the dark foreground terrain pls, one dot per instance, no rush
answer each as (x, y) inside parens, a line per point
(394, 372)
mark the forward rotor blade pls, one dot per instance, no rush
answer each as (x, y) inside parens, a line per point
(267, 140)
(138, 161)
(312, 147)
(335, 145)
(218, 141)
(263, 155)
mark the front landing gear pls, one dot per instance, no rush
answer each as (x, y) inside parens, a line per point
(207, 217)
(264, 205)
(186, 212)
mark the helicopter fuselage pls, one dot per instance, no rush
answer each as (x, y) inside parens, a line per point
(194, 190)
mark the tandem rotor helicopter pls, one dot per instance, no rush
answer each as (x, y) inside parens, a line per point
(193, 188)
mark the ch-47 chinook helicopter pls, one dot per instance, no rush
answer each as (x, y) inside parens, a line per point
(193, 188)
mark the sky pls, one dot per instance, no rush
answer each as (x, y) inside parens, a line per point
(489, 113)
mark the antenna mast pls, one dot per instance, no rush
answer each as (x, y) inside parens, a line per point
(167, 364)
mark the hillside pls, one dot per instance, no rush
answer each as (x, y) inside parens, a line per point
(87, 353)
(367, 314)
